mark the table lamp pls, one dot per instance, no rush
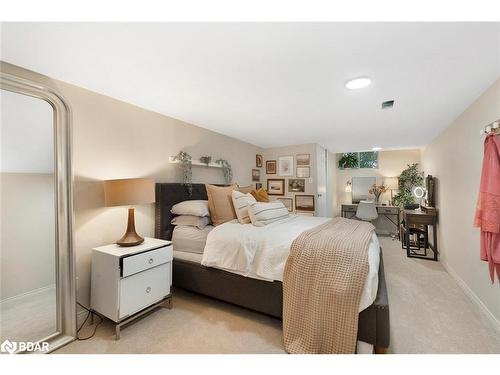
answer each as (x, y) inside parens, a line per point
(392, 183)
(127, 192)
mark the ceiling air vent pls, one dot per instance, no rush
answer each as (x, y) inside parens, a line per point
(388, 104)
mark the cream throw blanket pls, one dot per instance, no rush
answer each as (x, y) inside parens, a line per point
(322, 285)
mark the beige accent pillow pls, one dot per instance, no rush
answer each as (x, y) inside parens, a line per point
(220, 203)
(240, 204)
(245, 189)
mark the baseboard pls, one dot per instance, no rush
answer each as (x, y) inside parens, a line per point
(474, 298)
(29, 293)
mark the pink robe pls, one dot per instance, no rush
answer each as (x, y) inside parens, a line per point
(488, 206)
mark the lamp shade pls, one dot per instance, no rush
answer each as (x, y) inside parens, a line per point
(129, 191)
(392, 183)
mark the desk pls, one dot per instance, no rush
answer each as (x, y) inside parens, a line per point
(427, 217)
(392, 213)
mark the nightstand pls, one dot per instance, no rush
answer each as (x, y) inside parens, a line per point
(128, 282)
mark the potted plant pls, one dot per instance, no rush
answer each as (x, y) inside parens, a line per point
(377, 191)
(409, 178)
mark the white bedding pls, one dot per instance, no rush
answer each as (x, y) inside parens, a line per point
(261, 252)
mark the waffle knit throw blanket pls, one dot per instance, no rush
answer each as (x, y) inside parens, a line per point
(322, 285)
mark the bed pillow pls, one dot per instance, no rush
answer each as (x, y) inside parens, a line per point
(266, 213)
(193, 208)
(246, 189)
(260, 195)
(191, 221)
(220, 203)
(240, 203)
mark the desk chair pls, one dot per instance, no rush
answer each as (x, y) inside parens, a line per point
(366, 211)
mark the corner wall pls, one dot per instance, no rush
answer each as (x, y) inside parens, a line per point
(455, 159)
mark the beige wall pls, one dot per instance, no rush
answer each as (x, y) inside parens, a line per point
(455, 159)
(274, 154)
(27, 258)
(113, 139)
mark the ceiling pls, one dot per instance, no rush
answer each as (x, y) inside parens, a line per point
(276, 84)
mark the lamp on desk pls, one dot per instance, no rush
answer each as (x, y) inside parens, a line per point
(392, 183)
(127, 192)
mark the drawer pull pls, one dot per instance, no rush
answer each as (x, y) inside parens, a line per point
(150, 260)
(148, 289)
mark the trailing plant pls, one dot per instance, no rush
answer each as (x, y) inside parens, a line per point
(206, 160)
(349, 160)
(226, 170)
(187, 169)
(409, 178)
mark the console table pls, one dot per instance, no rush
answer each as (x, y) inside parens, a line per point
(392, 213)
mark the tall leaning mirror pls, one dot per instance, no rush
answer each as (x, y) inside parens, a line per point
(37, 282)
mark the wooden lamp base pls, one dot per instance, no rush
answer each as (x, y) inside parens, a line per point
(130, 238)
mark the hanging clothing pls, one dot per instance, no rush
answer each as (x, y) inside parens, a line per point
(487, 216)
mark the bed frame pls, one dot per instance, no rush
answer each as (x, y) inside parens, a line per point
(258, 295)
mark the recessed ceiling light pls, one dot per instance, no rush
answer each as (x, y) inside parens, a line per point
(376, 148)
(358, 83)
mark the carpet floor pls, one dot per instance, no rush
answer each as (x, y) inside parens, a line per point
(429, 314)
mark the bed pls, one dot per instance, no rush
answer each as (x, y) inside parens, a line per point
(263, 296)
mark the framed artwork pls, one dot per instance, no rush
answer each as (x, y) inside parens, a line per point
(304, 202)
(288, 202)
(296, 185)
(258, 186)
(303, 159)
(271, 166)
(255, 174)
(285, 166)
(258, 161)
(303, 172)
(276, 186)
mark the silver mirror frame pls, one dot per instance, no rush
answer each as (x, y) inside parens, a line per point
(63, 180)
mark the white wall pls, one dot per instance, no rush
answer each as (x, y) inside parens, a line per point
(455, 159)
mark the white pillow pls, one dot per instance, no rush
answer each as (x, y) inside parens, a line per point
(191, 221)
(240, 203)
(263, 213)
(194, 208)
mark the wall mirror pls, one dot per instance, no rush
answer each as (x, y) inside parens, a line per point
(37, 282)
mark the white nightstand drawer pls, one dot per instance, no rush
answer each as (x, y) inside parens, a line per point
(142, 289)
(143, 261)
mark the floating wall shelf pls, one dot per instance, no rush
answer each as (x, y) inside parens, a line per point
(195, 162)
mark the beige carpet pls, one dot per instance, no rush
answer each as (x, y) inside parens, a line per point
(429, 314)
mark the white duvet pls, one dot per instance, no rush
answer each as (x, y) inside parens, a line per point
(261, 252)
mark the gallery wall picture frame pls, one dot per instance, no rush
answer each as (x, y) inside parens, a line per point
(285, 166)
(271, 167)
(287, 202)
(303, 172)
(255, 175)
(304, 203)
(258, 161)
(276, 186)
(296, 185)
(303, 159)
(258, 186)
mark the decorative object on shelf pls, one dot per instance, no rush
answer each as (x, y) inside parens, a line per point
(287, 202)
(255, 174)
(304, 202)
(349, 160)
(493, 128)
(348, 186)
(303, 172)
(296, 185)
(187, 169)
(226, 170)
(391, 184)
(430, 184)
(206, 160)
(258, 161)
(408, 179)
(276, 186)
(127, 192)
(285, 166)
(258, 186)
(303, 159)
(271, 166)
(377, 191)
